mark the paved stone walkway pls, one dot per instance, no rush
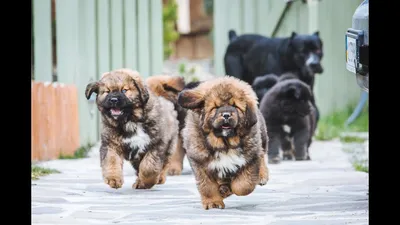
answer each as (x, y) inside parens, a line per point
(324, 191)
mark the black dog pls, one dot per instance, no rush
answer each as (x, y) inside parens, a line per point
(290, 117)
(263, 83)
(250, 55)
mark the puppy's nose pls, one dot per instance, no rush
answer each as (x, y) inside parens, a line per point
(226, 115)
(113, 100)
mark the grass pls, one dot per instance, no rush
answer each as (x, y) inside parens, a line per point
(330, 127)
(37, 171)
(351, 139)
(360, 167)
(81, 152)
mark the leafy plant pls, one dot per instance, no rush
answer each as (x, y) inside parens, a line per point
(169, 19)
(188, 73)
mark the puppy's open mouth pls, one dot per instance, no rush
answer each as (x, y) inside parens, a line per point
(115, 112)
(226, 126)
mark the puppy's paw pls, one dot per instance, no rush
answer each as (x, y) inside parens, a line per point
(301, 158)
(288, 156)
(162, 179)
(114, 181)
(274, 160)
(211, 204)
(263, 180)
(175, 169)
(225, 191)
(137, 185)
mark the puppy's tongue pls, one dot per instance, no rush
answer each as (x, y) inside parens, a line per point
(115, 112)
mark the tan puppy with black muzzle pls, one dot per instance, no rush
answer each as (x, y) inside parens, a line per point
(138, 126)
(225, 137)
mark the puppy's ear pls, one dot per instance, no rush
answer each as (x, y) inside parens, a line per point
(191, 99)
(293, 35)
(316, 33)
(292, 92)
(143, 92)
(174, 84)
(90, 88)
(250, 117)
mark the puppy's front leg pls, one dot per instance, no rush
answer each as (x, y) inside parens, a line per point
(264, 171)
(273, 149)
(209, 189)
(111, 164)
(245, 182)
(149, 171)
(301, 138)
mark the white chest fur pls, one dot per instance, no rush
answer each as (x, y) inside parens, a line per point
(225, 163)
(286, 128)
(139, 140)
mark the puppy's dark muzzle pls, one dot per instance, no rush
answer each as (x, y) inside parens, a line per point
(113, 101)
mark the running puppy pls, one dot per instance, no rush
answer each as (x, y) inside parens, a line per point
(169, 87)
(138, 126)
(225, 138)
(291, 118)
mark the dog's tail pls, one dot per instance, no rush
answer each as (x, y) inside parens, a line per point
(232, 35)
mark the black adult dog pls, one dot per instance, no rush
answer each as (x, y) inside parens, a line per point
(251, 55)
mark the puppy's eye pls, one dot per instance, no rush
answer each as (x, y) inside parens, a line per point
(124, 90)
(107, 91)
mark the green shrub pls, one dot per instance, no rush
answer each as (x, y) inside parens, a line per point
(170, 34)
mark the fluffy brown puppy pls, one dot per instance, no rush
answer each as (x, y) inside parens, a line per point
(225, 138)
(138, 126)
(169, 87)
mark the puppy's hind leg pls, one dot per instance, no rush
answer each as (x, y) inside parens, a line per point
(176, 165)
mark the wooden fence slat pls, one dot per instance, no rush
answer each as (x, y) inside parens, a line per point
(55, 122)
(67, 41)
(249, 16)
(156, 34)
(143, 37)
(262, 8)
(234, 16)
(103, 37)
(130, 26)
(43, 65)
(117, 34)
(220, 35)
(35, 113)
(87, 71)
